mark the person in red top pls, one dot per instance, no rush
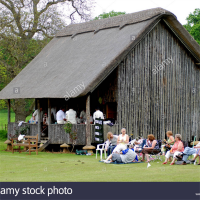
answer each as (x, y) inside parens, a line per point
(176, 149)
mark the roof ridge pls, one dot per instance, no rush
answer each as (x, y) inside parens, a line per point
(120, 20)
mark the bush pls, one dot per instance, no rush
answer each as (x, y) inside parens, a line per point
(3, 134)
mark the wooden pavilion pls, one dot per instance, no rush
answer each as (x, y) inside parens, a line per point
(142, 68)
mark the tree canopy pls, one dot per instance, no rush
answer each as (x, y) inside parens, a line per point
(109, 14)
(26, 26)
(193, 24)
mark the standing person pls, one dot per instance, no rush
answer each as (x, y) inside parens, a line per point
(83, 116)
(35, 115)
(60, 116)
(97, 114)
(176, 150)
(71, 116)
(111, 139)
(151, 146)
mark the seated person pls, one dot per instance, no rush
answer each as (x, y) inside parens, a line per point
(60, 116)
(71, 116)
(190, 151)
(151, 146)
(176, 149)
(111, 143)
(138, 141)
(170, 142)
(125, 156)
(122, 141)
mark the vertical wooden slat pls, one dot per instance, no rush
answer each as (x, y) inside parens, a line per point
(39, 119)
(88, 137)
(8, 110)
(158, 96)
(49, 112)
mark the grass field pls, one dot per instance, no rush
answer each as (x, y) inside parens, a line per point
(4, 117)
(50, 167)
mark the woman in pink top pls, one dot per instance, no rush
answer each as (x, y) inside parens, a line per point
(175, 150)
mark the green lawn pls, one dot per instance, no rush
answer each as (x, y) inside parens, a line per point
(4, 117)
(50, 167)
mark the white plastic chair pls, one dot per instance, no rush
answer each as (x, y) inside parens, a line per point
(101, 148)
(196, 159)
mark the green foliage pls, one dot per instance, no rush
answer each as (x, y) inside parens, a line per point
(22, 130)
(68, 127)
(3, 104)
(193, 24)
(3, 134)
(72, 135)
(110, 14)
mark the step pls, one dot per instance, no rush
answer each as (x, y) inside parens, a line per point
(43, 141)
(44, 145)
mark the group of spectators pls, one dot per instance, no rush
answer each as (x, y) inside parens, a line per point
(117, 151)
(61, 117)
(175, 148)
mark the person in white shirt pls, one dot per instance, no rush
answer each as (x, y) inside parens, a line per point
(83, 116)
(98, 114)
(71, 116)
(35, 115)
(60, 116)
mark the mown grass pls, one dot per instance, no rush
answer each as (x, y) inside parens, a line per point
(50, 167)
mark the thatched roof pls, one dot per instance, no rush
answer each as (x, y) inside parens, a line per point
(84, 54)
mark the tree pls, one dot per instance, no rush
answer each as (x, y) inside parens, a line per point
(26, 26)
(193, 24)
(110, 14)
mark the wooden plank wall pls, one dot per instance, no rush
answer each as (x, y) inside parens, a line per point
(151, 103)
(58, 136)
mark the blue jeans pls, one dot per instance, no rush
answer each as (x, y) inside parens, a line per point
(110, 149)
(188, 151)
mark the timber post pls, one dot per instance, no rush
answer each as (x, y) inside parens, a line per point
(8, 111)
(88, 146)
(49, 112)
(39, 120)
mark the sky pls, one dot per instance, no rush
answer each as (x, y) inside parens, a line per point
(181, 8)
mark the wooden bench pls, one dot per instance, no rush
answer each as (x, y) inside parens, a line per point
(32, 141)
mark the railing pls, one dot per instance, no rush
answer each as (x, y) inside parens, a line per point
(58, 135)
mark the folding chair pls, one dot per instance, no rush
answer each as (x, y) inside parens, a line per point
(157, 156)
